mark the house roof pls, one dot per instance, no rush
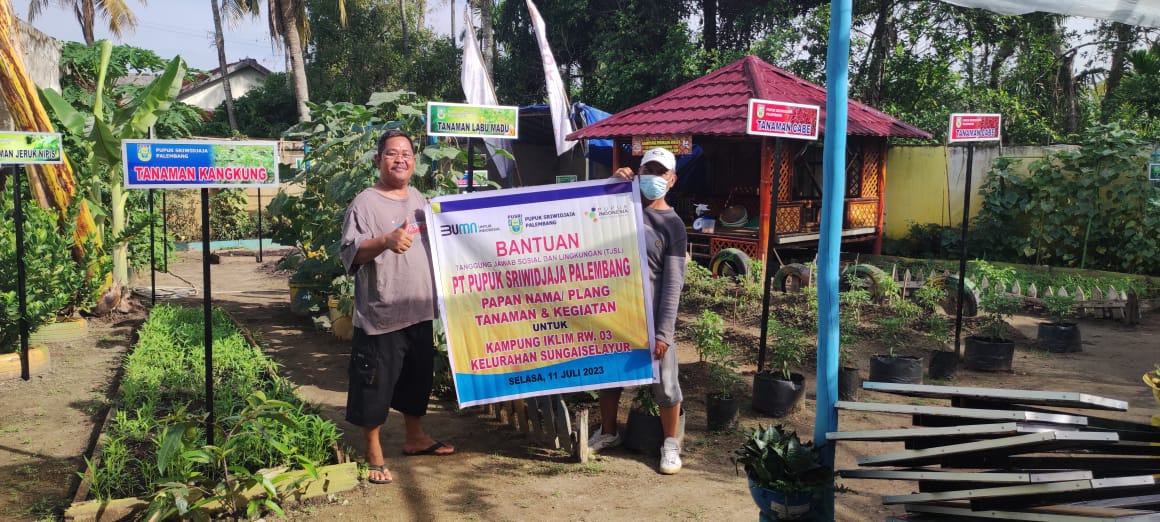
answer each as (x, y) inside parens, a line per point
(214, 75)
(716, 105)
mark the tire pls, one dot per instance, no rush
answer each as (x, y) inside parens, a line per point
(950, 285)
(876, 280)
(730, 262)
(791, 278)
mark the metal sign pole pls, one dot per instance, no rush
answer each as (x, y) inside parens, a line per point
(21, 294)
(207, 315)
(259, 225)
(471, 164)
(769, 252)
(963, 250)
(152, 254)
(164, 234)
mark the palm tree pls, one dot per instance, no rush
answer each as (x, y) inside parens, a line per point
(118, 15)
(234, 10)
(288, 23)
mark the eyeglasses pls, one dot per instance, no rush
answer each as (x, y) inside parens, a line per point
(393, 155)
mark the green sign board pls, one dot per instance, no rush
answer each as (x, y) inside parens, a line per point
(30, 147)
(472, 121)
(566, 178)
(1154, 171)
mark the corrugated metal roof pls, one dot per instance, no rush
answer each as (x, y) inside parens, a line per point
(716, 105)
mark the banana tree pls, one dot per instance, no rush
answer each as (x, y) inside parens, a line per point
(102, 131)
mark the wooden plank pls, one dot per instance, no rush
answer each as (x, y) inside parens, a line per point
(1003, 428)
(946, 511)
(1103, 488)
(563, 420)
(519, 415)
(1152, 501)
(581, 450)
(1098, 465)
(1042, 441)
(551, 437)
(1069, 487)
(969, 413)
(535, 420)
(1033, 397)
(953, 476)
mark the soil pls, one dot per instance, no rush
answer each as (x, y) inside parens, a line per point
(48, 424)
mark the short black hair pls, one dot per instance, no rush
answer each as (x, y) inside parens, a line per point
(393, 133)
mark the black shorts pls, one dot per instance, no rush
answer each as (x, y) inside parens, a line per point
(391, 370)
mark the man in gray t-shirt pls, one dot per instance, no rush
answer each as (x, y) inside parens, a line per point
(384, 245)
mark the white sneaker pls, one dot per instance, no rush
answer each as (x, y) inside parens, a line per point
(670, 456)
(600, 440)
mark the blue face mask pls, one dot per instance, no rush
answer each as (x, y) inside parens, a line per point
(653, 187)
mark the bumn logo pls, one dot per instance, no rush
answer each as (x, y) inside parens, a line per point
(458, 229)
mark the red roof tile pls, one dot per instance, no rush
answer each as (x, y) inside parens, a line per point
(716, 105)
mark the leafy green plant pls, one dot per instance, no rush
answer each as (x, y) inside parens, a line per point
(1060, 308)
(343, 288)
(229, 218)
(1092, 207)
(186, 496)
(54, 282)
(94, 141)
(788, 349)
(709, 336)
(775, 458)
(891, 331)
(164, 378)
(645, 401)
(999, 308)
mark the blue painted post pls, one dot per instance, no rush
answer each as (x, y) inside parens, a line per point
(829, 244)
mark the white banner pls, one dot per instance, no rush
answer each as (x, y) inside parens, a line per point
(557, 94)
(542, 289)
(478, 89)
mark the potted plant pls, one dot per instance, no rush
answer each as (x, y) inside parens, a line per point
(786, 476)
(991, 349)
(340, 307)
(849, 377)
(642, 430)
(1061, 335)
(892, 331)
(779, 390)
(721, 403)
(943, 362)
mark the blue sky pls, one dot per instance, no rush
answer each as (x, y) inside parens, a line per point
(185, 27)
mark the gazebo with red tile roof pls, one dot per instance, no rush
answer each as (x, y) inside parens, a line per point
(711, 112)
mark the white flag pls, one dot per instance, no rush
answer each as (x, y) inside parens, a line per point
(478, 90)
(557, 94)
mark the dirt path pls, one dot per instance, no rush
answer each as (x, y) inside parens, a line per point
(497, 474)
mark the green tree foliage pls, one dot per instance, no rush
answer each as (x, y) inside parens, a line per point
(264, 112)
(371, 53)
(129, 72)
(1091, 208)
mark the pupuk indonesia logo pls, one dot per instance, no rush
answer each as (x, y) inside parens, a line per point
(516, 223)
(144, 152)
(592, 214)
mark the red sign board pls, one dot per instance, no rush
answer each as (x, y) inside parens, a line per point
(974, 127)
(782, 120)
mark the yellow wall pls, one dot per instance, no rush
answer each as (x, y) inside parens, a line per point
(924, 183)
(916, 188)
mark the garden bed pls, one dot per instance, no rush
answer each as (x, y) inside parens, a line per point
(152, 446)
